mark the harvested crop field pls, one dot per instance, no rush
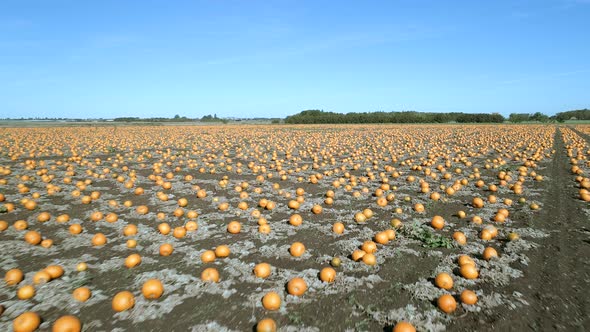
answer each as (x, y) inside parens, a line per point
(500, 210)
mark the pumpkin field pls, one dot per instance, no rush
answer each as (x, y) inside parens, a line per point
(295, 228)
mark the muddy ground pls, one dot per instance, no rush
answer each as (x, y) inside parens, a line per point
(539, 282)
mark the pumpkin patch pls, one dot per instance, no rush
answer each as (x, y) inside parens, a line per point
(404, 227)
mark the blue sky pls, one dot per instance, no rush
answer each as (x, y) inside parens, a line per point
(276, 58)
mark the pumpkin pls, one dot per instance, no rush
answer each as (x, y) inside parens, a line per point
(152, 289)
(297, 249)
(369, 247)
(26, 322)
(443, 280)
(13, 277)
(262, 270)
(295, 220)
(271, 301)
(99, 239)
(179, 232)
(296, 286)
(55, 271)
(82, 294)
(266, 325)
(166, 249)
(403, 326)
(123, 301)
(328, 274)
(132, 260)
(369, 259)
(234, 227)
(75, 229)
(381, 238)
(358, 255)
(338, 228)
(222, 251)
(41, 277)
(460, 238)
(130, 230)
(468, 297)
(164, 228)
(210, 275)
(390, 234)
(25, 292)
(208, 256)
(489, 253)
(437, 222)
(67, 324)
(447, 303)
(468, 271)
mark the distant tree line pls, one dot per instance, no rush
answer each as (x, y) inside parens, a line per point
(212, 118)
(573, 115)
(319, 116)
(176, 118)
(523, 117)
(559, 117)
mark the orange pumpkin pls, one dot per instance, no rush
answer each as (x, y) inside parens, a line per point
(152, 289)
(82, 294)
(468, 271)
(210, 275)
(164, 228)
(33, 237)
(369, 247)
(222, 251)
(123, 301)
(20, 225)
(447, 303)
(75, 229)
(67, 324)
(13, 277)
(443, 280)
(234, 227)
(262, 270)
(25, 292)
(130, 230)
(489, 253)
(295, 220)
(296, 286)
(179, 232)
(468, 297)
(55, 271)
(328, 274)
(132, 260)
(266, 325)
(338, 228)
(369, 259)
(460, 238)
(208, 256)
(381, 238)
(403, 326)
(297, 249)
(99, 239)
(166, 249)
(26, 322)
(41, 277)
(437, 222)
(271, 301)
